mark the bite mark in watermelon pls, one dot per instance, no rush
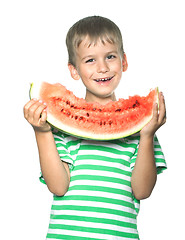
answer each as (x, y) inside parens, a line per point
(77, 117)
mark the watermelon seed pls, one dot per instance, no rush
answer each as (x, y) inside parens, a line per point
(136, 104)
(94, 109)
(62, 110)
(76, 117)
(57, 98)
(80, 118)
(87, 114)
(118, 110)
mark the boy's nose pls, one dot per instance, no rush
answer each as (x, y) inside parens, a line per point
(102, 67)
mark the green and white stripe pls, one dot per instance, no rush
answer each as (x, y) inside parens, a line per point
(99, 203)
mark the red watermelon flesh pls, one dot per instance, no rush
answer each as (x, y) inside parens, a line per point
(77, 117)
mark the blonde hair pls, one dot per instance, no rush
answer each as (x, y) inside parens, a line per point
(96, 28)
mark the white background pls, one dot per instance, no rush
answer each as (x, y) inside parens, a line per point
(32, 47)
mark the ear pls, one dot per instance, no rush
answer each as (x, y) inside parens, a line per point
(124, 62)
(73, 71)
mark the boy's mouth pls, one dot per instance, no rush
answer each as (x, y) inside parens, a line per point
(103, 79)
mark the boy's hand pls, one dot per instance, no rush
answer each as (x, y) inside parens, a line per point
(35, 113)
(158, 119)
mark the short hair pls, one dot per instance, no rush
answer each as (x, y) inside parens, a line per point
(96, 28)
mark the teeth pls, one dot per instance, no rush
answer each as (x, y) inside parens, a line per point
(103, 79)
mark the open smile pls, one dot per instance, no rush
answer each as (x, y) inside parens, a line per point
(103, 79)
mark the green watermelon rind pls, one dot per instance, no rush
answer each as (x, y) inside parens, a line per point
(34, 93)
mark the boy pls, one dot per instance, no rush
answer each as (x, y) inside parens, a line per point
(96, 185)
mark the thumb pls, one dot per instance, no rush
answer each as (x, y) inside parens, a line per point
(155, 112)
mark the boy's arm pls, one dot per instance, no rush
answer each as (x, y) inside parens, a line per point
(144, 175)
(55, 172)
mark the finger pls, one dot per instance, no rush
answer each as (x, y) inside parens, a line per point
(38, 111)
(155, 112)
(162, 109)
(32, 115)
(27, 107)
(43, 116)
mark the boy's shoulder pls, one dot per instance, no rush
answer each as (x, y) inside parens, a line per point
(130, 141)
(133, 137)
(63, 136)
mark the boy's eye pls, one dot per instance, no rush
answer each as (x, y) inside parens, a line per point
(111, 56)
(90, 60)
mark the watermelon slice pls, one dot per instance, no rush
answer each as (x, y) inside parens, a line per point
(77, 117)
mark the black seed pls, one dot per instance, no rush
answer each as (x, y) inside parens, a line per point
(99, 110)
(80, 118)
(87, 114)
(56, 98)
(94, 109)
(118, 110)
(67, 102)
(76, 117)
(62, 110)
(136, 104)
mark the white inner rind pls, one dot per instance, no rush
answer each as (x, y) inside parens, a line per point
(35, 89)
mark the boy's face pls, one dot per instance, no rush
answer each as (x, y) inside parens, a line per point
(100, 67)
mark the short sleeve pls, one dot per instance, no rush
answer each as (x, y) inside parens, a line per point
(63, 148)
(67, 147)
(158, 155)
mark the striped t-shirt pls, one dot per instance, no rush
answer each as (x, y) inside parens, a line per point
(99, 203)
